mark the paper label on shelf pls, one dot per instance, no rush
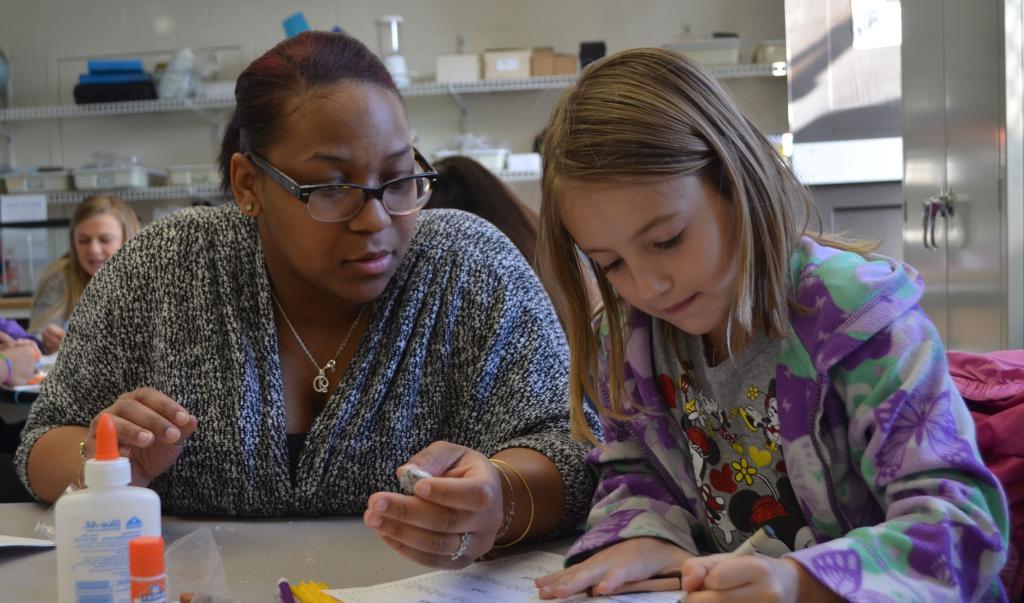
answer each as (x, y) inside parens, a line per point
(22, 208)
(506, 64)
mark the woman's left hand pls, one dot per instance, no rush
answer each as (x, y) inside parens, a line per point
(463, 500)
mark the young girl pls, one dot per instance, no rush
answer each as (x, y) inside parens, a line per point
(99, 227)
(748, 373)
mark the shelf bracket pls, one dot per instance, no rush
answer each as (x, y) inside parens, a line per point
(461, 104)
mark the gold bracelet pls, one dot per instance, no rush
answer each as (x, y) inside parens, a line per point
(529, 494)
(511, 505)
(81, 467)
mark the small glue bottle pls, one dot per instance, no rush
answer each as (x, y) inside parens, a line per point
(146, 566)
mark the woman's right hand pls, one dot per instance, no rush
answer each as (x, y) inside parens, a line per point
(52, 337)
(626, 561)
(23, 363)
(151, 432)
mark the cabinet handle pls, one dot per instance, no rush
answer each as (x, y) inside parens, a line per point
(934, 208)
(928, 223)
(935, 214)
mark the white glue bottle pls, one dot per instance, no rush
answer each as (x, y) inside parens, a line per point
(95, 524)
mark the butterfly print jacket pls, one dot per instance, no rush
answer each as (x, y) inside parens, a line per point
(877, 442)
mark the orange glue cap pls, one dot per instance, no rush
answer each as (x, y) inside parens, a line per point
(106, 439)
(146, 556)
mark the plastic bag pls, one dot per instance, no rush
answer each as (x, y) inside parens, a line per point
(193, 562)
(178, 80)
(194, 566)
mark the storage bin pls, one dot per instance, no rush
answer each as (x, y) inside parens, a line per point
(216, 89)
(524, 162)
(32, 181)
(770, 51)
(458, 68)
(178, 175)
(492, 159)
(715, 51)
(134, 176)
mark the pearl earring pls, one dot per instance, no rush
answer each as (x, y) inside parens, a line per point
(248, 207)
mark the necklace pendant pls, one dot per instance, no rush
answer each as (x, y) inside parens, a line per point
(320, 383)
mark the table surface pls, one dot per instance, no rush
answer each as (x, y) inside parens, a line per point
(340, 551)
(12, 412)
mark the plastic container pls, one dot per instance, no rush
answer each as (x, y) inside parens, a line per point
(35, 181)
(770, 51)
(117, 177)
(94, 526)
(147, 571)
(492, 159)
(524, 162)
(218, 89)
(715, 51)
(178, 175)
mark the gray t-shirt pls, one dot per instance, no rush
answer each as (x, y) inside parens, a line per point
(462, 345)
(729, 416)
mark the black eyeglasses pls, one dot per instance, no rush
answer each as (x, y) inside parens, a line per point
(341, 201)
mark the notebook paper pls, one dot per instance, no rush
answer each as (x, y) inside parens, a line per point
(508, 580)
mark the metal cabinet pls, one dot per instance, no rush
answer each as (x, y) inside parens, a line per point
(962, 191)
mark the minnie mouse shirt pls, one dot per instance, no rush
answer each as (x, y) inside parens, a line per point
(729, 416)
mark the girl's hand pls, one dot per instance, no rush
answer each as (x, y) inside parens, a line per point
(627, 561)
(723, 578)
(52, 337)
(464, 497)
(151, 432)
(23, 363)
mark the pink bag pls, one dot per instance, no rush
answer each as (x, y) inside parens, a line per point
(992, 385)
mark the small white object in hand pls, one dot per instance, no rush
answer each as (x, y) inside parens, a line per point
(410, 475)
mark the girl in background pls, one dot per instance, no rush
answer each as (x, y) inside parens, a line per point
(748, 372)
(100, 225)
(467, 185)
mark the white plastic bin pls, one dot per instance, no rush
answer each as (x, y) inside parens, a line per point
(714, 51)
(32, 181)
(134, 176)
(492, 159)
(183, 175)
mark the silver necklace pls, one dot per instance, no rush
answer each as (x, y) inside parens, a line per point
(320, 382)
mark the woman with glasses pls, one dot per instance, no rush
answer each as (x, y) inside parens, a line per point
(287, 354)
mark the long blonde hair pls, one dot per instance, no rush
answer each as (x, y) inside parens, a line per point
(69, 265)
(647, 113)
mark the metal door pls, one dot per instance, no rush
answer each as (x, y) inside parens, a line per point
(976, 235)
(924, 152)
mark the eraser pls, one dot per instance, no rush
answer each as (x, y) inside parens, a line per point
(410, 475)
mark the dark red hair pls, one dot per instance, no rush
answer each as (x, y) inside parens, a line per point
(265, 91)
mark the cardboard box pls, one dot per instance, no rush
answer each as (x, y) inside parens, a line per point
(458, 68)
(542, 61)
(506, 63)
(565, 64)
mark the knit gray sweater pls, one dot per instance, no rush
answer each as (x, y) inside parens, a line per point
(461, 346)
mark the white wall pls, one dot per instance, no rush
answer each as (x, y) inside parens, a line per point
(48, 42)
